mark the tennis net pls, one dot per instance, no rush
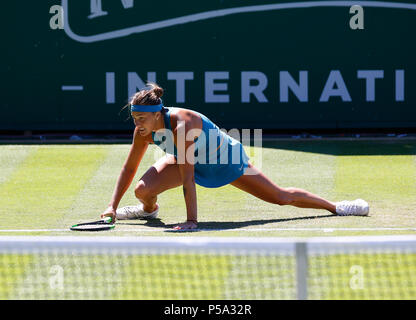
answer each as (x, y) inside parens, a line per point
(199, 268)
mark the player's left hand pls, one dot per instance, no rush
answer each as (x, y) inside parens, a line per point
(188, 225)
(109, 212)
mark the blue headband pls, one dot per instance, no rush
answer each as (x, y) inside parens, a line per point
(141, 108)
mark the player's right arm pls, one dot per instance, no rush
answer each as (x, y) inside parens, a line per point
(128, 171)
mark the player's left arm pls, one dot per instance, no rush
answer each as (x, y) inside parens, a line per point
(186, 160)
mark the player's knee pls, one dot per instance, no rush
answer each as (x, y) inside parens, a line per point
(142, 191)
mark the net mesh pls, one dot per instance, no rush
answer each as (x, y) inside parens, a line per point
(196, 269)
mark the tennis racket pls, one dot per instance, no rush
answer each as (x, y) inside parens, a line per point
(99, 225)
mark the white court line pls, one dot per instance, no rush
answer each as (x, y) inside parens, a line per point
(242, 229)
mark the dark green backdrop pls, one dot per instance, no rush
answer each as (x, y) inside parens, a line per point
(317, 42)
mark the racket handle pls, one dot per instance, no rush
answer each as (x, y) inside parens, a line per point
(108, 219)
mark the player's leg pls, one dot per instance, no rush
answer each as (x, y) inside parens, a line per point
(263, 188)
(161, 176)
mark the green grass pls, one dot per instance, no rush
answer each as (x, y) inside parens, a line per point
(206, 277)
(43, 187)
(363, 276)
(114, 277)
(54, 186)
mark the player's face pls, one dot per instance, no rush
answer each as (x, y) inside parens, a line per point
(145, 122)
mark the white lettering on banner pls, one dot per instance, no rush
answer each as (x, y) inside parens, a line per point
(217, 92)
(370, 76)
(110, 84)
(135, 83)
(211, 86)
(399, 85)
(335, 78)
(287, 82)
(97, 8)
(247, 89)
(180, 78)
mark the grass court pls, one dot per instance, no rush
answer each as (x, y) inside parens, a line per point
(46, 188)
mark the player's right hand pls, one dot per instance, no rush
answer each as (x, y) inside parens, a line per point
(109, 212)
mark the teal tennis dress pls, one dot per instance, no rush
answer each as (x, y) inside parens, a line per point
(220, 159)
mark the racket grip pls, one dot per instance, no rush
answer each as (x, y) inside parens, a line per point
(108, 219)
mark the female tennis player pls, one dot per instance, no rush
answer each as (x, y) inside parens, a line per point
(197, 151)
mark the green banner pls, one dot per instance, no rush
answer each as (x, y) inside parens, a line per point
(73, 64)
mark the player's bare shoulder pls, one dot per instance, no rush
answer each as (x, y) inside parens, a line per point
(192, 119)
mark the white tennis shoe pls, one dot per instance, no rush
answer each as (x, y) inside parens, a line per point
(135, 212)
(357, 207)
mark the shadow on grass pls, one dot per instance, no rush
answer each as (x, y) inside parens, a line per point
(221, 225)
